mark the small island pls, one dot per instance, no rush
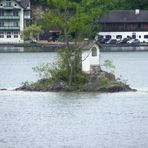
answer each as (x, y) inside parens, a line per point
(82, 74)
(99, 82)
(78, 67)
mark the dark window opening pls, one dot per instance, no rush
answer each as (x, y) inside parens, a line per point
(1, 34)
(15, 34)
(108, 36)
(8, 34)
(94, 52)
(15, 13)
(146, 36)
(134, 36)
(118, 36)
(2, 24)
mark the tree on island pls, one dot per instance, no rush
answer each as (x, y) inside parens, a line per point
(78, 17)
(32, 32)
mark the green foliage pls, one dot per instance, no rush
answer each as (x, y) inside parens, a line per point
(103, 83)
(70, 16)
(42, 2)
(56, 71)
(74, 16)
(43, 70)
(62, 38)
(25, 84)
(41, 84)
(59, 70)
(80, 17)
(120, 79)
(81, 78)
(134, 4)
(53, 71)
(108, 64)
(32, 32)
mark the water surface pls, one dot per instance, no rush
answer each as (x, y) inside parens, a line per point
(73, 120)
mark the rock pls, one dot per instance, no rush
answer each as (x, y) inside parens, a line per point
(106, 75)
(2, 89)
(59, 86)
(105, 82)
(88, 87)
(100, 81)
(115, 88)
(26, 88)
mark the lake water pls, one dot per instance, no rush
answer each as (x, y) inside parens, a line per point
(73, 120)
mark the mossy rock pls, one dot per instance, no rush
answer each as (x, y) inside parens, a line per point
(40, 85)
(59, 86)
(97, 82)
(115, 87)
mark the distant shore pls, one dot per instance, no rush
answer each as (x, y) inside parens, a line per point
(124, 47)
(54, 46)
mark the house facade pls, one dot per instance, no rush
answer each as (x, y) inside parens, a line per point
(125, 23)
(14, 16)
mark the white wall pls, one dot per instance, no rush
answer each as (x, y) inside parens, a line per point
(88, 60)
(11, 40)
(125, 34)
(21, 20)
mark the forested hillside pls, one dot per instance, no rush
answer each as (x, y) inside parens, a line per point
(39, 6)
(117, 4)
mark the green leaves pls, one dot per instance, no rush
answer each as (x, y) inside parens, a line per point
(74, 16)
(70, 16)
(32, 32)
(109, 65)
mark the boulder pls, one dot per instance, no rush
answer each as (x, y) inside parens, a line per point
(59, 86)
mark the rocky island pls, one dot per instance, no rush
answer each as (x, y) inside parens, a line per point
(99, 82)
(78, 71)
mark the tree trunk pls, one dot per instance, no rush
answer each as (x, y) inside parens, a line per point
(69, 64)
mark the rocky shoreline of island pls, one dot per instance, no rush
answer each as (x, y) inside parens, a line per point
(98, 82)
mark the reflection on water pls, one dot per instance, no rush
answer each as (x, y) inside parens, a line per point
(72, 120)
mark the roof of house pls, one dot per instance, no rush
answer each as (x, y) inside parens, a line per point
(124, 16)
(25, 3)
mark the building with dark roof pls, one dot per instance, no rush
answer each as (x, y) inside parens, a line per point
(14, 16)
(125, 23)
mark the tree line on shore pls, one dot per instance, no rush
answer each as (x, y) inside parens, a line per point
(116, 4)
